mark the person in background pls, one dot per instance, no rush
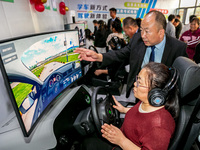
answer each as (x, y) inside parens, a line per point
(100, 37)
(113, 16)
(187, 26)
(138, 20)
(95, 23)
(144, 123)
(116, 31)
(89, 38)
(114, 70)
(151, 44)
(176, 23)
(170, 29)
(131, 26)
(191, 37)
(179, 26)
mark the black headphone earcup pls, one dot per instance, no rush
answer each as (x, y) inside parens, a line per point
(157, 97)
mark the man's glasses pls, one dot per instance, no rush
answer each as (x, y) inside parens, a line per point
(137, 83)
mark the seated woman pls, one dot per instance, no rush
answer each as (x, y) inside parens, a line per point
(116, 31)
(191, 37)
(145, 126)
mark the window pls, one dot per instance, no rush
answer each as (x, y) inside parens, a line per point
(181, 13)
(197, 12)
(190, 12)
(198, 2)
(188, 3)
(187, 8)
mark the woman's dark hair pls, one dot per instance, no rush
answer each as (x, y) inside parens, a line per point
(191, 17)
(159, 75)
(117, 26)
(102, 28)
(88, 34)
(195, 19)
(102, 24)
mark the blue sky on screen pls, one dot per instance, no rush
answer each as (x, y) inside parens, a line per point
(45, 48)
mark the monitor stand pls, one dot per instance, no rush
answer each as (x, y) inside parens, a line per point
(10, 123)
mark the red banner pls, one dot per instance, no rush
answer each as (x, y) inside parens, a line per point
(164, 11)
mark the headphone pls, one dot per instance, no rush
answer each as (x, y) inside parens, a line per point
(157, 96)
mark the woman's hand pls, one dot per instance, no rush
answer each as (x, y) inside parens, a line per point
(116, 136)
(119, 106)
(112, 134)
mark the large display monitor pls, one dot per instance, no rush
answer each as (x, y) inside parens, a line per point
(37, 69)
(81, 29)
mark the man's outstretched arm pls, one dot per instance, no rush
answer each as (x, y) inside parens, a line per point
(88, 55)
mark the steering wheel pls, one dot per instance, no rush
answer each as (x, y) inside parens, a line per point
(93, 65)
(102, 109)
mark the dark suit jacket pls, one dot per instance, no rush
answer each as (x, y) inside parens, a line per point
(135, 53)
(100, 38)
(95, 30)
(110, 22)
(178, 30)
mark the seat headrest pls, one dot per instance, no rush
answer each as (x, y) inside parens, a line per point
(116, 43)
(189, 75)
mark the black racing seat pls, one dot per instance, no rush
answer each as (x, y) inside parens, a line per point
(196, 57)
(188, 122)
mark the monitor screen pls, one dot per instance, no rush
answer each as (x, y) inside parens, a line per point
(81, 29)
(38, 68)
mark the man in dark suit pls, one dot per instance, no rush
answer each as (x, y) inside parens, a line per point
(131, 26)
(95, 22)
(178, 27)
(140, 49)
(113, 12)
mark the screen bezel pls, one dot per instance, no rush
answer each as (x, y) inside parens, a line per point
(11, 95)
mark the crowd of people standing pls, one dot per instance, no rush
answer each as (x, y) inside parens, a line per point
(103, 32)
(189, 33)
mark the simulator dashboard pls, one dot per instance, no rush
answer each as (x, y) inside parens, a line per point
(50, 108)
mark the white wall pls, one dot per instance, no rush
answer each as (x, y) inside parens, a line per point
(20, 18)
(170, 5)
